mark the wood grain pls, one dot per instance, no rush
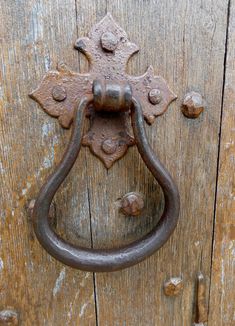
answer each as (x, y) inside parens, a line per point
(222, 295)
(36, 35)
(185, 43)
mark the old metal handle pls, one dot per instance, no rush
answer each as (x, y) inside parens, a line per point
(99, 260)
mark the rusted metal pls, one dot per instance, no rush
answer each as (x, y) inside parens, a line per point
(173, 286)
(111, 97)
(9, 317)
(155, 96)
(108, 50)
(108, 96)
(201, 308)
(132, 204)
(109, 41)
(193, 105)
(51, 215)
(101, 260)
(109, 146)
(109, 136)
(59, 93)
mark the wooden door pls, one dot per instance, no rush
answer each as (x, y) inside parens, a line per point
(191, 45)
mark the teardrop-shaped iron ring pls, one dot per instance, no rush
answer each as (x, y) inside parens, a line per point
(100, 260)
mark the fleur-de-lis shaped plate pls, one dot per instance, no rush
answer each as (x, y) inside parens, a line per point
(108, 50)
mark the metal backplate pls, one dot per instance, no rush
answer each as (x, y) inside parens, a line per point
(108, 50)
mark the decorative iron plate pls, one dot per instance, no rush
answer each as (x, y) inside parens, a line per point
(108, 50)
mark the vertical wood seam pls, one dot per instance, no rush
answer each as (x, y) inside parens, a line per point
(92, 245)
(219, 148)
(87, 187)
(94, 274)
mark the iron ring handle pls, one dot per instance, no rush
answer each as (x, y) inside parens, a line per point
(100, 260)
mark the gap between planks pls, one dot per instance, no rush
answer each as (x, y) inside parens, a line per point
(219, 149)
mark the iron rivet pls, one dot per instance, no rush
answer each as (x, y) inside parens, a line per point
(8, 317)
(109, 146)
(193, 105)
(109, 41)
(132, 204)
(155, 96)
(173, 286)
(59, 93)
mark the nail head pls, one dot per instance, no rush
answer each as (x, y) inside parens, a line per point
(109, 41)
(193, 105)
(155, 96)
(59, 93)
(173, 286)
(109, 146)
(132, 204)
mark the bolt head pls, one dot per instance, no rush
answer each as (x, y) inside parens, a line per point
(132, 204)
(193, 105)
(59, 93)
(155, 96)
(109, 41)
(173, 286)
(109, 146)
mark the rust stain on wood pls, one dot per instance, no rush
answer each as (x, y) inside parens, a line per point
(201, 299)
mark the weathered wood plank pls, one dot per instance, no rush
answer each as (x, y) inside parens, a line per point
(185, 43)
(34, 36)
(222, 294)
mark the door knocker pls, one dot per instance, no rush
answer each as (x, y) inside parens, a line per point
(109, 97)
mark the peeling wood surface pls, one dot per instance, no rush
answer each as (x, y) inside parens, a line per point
(185, 43)
(222, 295)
